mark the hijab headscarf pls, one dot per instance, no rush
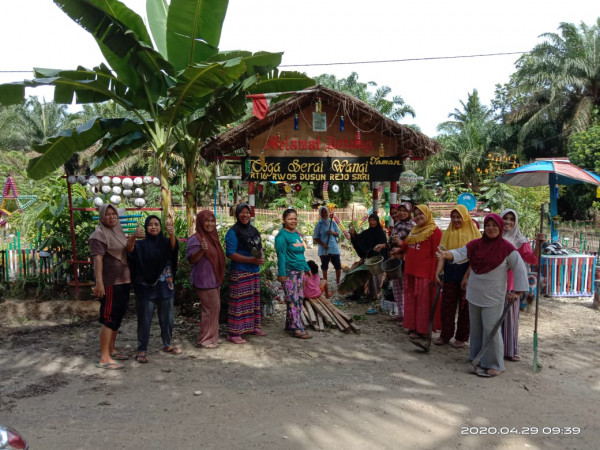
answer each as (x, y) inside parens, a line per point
(514, 236)
(420, 233)
(114, 238)
(456, 238)
(214, 252)
(365, 241)
(247, 235)
(402, 227)
(486, 254)
(151, 255)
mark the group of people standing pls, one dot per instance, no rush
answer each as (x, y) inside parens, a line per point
(480, 277)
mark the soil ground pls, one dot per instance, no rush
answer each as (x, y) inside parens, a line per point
(371, 390)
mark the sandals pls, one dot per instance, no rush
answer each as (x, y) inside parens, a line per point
(458, 344)
(119, 356)
(172, 350)
(487, 373)
(302, 335)
(513, 358)
(439, 341)
(109, 365)
(258, 332)
(236, 339)
(141, 357)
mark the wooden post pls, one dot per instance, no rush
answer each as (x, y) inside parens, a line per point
(375, 196)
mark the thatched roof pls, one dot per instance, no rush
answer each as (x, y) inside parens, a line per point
(409, 142)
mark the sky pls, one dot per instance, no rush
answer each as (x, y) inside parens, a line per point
(36, 33)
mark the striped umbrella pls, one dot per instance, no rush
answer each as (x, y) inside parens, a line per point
(549, 172)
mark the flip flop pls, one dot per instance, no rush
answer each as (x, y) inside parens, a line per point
(371, 311)
(487, 373)
(458, 344)
(141, 358)
(173, 350)
(258, 332)
(236, 339)
(303, 335)
(109, 365)
(119, 356)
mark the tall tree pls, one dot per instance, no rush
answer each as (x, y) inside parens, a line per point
(183, 86)
(560, 79)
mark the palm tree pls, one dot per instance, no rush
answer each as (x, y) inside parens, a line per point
(395, 109)
(180, 86)
(560, 78)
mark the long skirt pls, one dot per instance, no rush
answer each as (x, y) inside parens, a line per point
(419, 294)
(398, 290)
(210, 305)
(293, 300)
(482, 321)
(510, 331)
(243, 313)
(452, 297)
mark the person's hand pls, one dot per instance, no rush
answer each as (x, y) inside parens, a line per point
(259, 261)
(204, 244)
(440, 254)
(98, 290)
(379, 247)
(396, 240)
(326, 247)
(170, 229)
(438, 280)
(540, 237)
(395, 252)
(281, 279)
(139, 232)
(463, 283)
(330, 232)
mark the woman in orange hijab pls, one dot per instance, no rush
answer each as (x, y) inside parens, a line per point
(205, 254)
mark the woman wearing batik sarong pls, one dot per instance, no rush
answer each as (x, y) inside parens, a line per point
(291, 264)
(512, 233)
(244, 248)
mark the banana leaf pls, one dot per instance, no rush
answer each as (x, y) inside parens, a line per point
(354, 279)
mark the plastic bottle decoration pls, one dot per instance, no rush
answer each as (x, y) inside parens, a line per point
(106, 189)
(71, 179)
(298, 187)
(335, 188)
(105, 179)
(116, 181)
(138, 181)
(296, 122)
(357, 135)
(139, 202)
(326, 190)
(381, 150)
(93, 180)
(98, 202)
(352, 189)
(341, 226)
(156, 181)
(365, 217)
(116, 190)
(115, 199)
(287, 188)
(147, 179)
(127, 183)
(127, 192)
(139, 192)
(82, 180)
(319, 105)
(342, 123)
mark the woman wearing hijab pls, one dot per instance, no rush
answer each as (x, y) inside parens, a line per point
(244, 248)
(510, 326)
(107, 248)
(364, 243)
(490, 259)
(420, 247)
(325, 235)
(291, 264)
(459, 233)
(403, 223)
(153, 263)
(206, 256)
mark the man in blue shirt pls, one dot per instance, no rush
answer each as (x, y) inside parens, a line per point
(325, 236)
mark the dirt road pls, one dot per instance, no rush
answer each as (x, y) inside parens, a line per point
(366, 391)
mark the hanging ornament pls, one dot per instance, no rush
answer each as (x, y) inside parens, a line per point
(357, 135)
(71, 179)
(298, 187)
(381, 150)
(365, 189)
(342, 124)
(352, 189)
(260, 187)
(263, 161)
(326, 190)
(296, 122)
(335, 188)
(319, 105)
(287, 189)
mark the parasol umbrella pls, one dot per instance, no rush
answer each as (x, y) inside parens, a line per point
(549, 172)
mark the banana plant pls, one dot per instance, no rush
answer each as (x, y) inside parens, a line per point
(177, 84)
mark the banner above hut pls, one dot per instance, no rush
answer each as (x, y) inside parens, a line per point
(322, 135)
